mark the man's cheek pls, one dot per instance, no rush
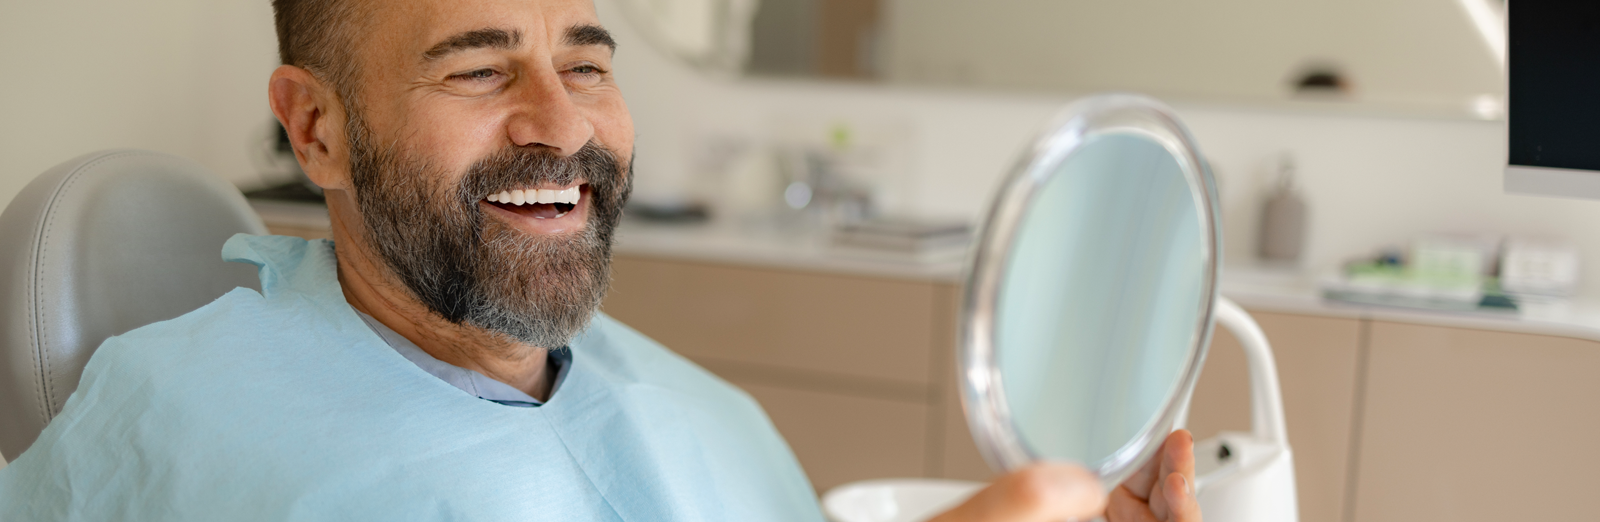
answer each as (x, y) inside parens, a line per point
(450, 160)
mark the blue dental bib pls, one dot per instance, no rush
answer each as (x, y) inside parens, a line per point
(283, 405)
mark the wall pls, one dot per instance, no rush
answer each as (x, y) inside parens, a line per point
(188, 77)
(1229, 49)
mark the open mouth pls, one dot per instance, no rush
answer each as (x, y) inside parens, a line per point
(539, 203)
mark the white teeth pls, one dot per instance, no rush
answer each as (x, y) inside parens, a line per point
(569, 196)
(531, 196)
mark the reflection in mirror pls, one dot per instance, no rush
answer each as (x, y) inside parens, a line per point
(1441, 57)
(1089, 298)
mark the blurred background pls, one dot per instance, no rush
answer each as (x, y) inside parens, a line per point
(809, 172)
(1409, 140)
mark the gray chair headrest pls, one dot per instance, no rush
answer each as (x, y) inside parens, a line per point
(95, 247)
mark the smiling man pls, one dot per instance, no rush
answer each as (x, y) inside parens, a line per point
(442, 358)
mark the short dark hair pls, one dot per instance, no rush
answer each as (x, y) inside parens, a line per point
(318, 36)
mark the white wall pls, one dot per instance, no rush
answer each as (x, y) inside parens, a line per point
(1370, 180)
(1227, 49)
(187, 77)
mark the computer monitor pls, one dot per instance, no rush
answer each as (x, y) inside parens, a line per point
(1554, 103)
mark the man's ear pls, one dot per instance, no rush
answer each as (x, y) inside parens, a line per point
(312, 115)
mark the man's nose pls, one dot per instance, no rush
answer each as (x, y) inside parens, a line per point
(546, 116)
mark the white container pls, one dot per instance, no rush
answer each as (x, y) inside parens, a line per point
(896, 500)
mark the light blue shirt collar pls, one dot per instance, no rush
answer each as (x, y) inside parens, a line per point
(472, 382)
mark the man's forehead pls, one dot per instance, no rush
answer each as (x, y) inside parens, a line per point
(417, 26)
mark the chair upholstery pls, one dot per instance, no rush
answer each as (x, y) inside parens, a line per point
(97, 246)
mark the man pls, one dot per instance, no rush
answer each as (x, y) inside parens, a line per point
(441, 358)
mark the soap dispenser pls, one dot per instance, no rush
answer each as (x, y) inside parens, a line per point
(1283, 218)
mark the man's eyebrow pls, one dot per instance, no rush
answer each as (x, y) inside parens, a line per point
(588, 34)
(477, 39)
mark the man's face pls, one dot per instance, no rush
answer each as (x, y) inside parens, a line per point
(469, 118)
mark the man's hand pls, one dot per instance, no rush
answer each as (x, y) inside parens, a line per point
(1163, 490)
(1160, 491)
(1043, 492)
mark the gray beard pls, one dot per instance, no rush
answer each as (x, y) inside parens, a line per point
(479, 271)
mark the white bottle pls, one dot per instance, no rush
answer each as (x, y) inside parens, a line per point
(1283, 219)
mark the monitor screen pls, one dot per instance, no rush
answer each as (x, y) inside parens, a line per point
(1554, 102)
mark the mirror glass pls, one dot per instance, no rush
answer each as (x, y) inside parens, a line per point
(1435, 57)
(1089, 303)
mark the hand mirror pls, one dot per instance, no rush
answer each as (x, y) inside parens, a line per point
(1089, 297)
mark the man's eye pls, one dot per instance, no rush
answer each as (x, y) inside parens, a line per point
(480, 74)
(587, 69)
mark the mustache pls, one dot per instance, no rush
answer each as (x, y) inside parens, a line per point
(516, 167)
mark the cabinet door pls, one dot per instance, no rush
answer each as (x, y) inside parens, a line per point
(858, 327)
(847, 368)
(958, 457)
(843, 438)
(1317, 365)
(1470, 425)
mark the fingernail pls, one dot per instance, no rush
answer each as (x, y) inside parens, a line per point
(1188, 489)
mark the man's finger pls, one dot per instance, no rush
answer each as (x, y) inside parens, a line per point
(1037, 493)
(1142, 481)
(1182, 506)
(1179, 453)
(1177, 458)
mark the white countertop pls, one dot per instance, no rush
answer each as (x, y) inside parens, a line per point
(762, 245)
(772, 246)
(1269, 290)
(1255, 288)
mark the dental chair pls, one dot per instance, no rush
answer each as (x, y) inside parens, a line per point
(95, 247)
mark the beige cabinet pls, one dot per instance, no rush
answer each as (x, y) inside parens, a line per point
(872, 332)
(1470, 425)
(857, 373)
(1388, 421)
(840, 437)
(851, 370)
(1398, 422)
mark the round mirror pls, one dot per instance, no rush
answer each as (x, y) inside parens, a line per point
(1089, 298)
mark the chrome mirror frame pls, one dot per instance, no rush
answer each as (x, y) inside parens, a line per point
(983, 395)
